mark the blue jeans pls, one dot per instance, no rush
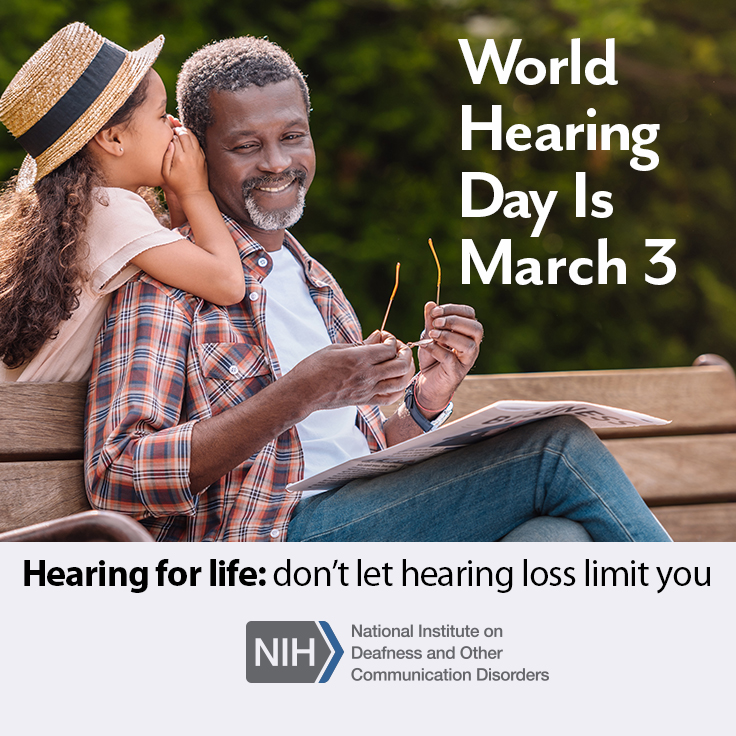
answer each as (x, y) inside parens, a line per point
(552, 468)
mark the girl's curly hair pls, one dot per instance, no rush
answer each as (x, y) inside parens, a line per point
(42, 247)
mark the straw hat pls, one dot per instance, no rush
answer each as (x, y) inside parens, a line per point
(66, 92)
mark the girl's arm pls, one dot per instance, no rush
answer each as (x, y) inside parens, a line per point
(211, 269)
(177, 218)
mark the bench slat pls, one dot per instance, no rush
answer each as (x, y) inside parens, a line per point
(31, 492)
(679, 470)
(696, 398)
(41, 420)
(711, 522)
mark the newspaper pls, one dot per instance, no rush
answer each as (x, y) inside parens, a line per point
(486, 422)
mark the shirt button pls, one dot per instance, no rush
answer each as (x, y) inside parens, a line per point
(253, 296)
(275, 533)
(263, 262)
(234, 370)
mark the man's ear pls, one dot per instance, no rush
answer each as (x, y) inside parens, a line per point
(110, 141)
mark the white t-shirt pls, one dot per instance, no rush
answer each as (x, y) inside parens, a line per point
(296, 329)
(116, 233)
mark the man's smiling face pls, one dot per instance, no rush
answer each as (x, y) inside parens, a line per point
(260, 155)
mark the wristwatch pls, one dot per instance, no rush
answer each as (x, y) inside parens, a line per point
(425, 424)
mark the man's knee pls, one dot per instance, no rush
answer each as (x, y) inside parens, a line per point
(567, 434)
(548, 529)
(567, 425)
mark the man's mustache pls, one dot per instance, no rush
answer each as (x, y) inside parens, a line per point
(274, 181)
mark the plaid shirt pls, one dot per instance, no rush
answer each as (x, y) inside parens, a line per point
(164, 360)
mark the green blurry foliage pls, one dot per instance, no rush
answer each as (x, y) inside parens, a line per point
(388, 81)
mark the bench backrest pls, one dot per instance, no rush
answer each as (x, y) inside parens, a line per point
(698, 399)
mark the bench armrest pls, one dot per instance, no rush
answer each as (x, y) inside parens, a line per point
(89, 526)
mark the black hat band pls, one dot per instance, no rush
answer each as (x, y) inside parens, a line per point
(73, 104)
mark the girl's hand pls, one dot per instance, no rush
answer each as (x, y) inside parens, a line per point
(184, 169)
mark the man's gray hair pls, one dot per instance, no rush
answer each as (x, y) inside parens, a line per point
(230, 65)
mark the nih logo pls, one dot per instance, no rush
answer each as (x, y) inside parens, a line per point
(290, 651)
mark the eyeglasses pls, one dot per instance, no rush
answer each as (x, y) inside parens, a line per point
(426, 341)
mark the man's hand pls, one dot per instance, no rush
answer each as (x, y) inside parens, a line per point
(407, 358)
(375, 372)
(446, 361)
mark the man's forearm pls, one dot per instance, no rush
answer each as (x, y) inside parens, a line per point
(222, 442)
(336, 376)
(225, 440)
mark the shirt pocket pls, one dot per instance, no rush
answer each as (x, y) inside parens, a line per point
(233, 372)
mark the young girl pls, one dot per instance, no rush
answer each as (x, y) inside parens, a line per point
(73, 224)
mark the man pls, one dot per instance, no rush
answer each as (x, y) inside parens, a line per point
(200, 416)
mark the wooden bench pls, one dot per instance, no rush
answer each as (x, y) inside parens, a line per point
(41, 475)
(686, 471)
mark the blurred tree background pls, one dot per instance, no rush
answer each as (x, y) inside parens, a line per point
(388, 80)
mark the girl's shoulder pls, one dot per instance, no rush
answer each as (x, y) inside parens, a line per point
(113, 207)
(121, 226)
(111, 200)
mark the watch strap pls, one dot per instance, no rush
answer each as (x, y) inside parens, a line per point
(426, 425)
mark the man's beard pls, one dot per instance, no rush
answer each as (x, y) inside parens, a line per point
(275, 219)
